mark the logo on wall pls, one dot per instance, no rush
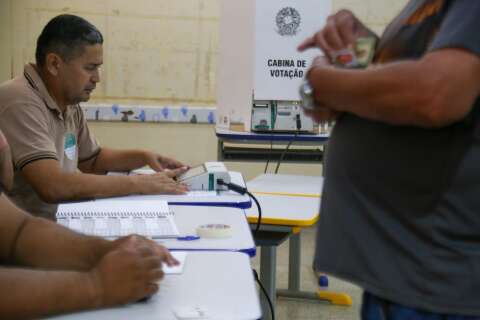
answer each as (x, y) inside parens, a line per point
(288, 21)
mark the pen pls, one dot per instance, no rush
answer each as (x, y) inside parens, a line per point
(188, 238)
(180, 238)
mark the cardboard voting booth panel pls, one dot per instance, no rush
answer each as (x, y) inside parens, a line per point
(258, 57)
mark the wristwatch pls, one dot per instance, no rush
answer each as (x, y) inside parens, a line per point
(306, 93)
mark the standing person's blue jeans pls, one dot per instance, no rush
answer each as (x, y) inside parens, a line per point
(375, 308)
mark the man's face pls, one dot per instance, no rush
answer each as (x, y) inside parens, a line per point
(80, 75)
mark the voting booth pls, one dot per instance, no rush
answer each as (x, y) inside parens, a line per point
(259, 66)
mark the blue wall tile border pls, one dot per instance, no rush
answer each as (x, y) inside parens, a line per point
(135, 113)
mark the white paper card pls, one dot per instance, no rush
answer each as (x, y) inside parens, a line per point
(181, 257)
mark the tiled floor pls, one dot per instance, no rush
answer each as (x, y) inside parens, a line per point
(309, 310)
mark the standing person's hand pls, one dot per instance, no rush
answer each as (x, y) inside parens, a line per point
(340, 32)
(129, 272)
(160, 163)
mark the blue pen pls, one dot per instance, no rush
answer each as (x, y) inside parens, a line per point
(188, 238)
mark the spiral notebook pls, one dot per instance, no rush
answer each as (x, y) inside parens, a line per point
(113, 218)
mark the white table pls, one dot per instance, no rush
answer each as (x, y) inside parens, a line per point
(236, 151)
(291, 200)
(220, 282)
(285, 184)
(188, 218)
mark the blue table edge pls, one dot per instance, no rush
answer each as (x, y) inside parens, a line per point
(251, 252)
(272, 137)
(240, 205)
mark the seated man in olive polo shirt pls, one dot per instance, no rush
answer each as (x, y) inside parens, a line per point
(41, 261)
(55, 156)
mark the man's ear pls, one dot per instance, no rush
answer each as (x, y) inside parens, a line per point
(53, 63)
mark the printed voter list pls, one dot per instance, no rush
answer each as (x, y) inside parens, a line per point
(280, 26)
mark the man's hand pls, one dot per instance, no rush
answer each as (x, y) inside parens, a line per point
(138, 240)
(160, 163)
(160, 182)
(340, 32)
(130, 271)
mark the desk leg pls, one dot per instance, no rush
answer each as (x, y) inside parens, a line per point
(268, 263)
(219, 150)
(294, 262)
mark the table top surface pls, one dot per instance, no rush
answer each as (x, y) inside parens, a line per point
(188, 218)
(290, 200)
(220, 283)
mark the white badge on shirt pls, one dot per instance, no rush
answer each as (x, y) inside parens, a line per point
(70, 146)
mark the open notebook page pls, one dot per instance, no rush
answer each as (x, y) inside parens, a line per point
(111, 218)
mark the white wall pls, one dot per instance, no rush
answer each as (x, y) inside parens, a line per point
(156, 52)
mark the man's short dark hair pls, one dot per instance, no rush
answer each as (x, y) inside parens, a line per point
(66, 35)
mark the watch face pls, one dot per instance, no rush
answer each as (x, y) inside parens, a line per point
(306, 93)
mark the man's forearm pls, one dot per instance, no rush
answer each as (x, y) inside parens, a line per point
(30, 294)
(388, 94)
(115, 160)
(54, 185)
(82, 186)
(45, 244)
(435, 91)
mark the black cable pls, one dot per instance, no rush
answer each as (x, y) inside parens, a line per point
(259, 220)
(285, 152)
(242, 190)
(232, 186)
(298, 123)
(269, 156)
(270, 304)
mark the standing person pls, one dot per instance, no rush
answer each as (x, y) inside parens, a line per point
(55, 156)
(400, 206)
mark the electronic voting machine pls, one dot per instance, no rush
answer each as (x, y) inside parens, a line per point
(204, 177)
